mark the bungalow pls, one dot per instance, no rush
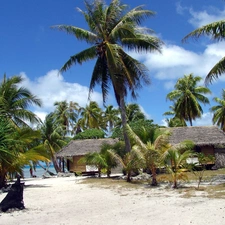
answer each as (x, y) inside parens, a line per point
(207, 139)
(76, 149)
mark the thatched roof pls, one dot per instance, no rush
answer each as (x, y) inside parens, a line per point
(202, 135)
(82, 147)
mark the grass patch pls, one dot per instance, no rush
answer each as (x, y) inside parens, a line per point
(187, 189)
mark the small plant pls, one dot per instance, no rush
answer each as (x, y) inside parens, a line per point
(199, 167)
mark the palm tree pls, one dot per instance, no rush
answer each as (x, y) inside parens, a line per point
(175, 160)
(219, 111)
(131, 161)
(111, 117)
(66, 114)
(134, 113)
(15, 101)
(91, 116)
(111, 28)
(16, 149)
(174, 121)
(186, 98)
(52, 139)
(102, 160)
(151, 148)
(216, 31)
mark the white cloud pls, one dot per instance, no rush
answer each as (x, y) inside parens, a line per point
(145, 113)
(176, 61)
(52, 87)
(202, 18)
(205, 120)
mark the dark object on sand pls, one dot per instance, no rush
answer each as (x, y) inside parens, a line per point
(14, 198)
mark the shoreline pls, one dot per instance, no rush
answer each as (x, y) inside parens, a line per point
(66, 200)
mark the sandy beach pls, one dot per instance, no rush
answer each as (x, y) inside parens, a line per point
(66, 200)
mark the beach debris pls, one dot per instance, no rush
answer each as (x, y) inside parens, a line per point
(14, 198)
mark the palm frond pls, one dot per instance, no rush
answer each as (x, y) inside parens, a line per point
(80, 57)
(216, 71)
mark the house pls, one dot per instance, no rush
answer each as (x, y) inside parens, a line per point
(207, 139)
(76, 149)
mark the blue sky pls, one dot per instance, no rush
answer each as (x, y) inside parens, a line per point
(29, 47)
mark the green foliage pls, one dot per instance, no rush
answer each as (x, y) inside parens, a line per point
(187, 97)
(175, 161)
(199, 167)
(219, 111)
(137, 126)
(15, 102)
(214, 30)
(90, 134)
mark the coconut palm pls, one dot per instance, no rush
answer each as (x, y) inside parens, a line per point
(52, 139)
(111, 117)
(102, 160)
(91, 116)
(134, 113)
(174, 121)
(15, 101)
(216, 31)
(112, 28)
(156, 145)
(131, 161)
(16, 149)
(187, 97)
(219, 111)
(66, 114)
(175, 160)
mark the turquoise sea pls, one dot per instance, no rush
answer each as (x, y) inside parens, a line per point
(38, 172)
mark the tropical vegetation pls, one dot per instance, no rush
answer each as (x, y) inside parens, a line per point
(214, 30)
(187, 97)
(219, 111)
(112, 29)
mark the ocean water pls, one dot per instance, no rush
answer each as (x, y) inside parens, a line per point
(38, 172)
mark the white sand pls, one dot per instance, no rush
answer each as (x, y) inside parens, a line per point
(67, 201)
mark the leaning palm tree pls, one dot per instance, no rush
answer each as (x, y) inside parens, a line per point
(15, 102)
(216, 31)
(187, 97)
(219, 111)
(111, 29)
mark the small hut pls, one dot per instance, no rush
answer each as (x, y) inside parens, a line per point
(207, 139)
(76, 149)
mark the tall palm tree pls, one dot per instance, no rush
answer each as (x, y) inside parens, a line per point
(66, 114)
(112, 28)
(219, 111)
(187, 97)
(15, 101)
(216, 31)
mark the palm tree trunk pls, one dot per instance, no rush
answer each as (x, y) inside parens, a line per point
(128, 176)
(3, 178)
(124, 122)
(154, 180)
